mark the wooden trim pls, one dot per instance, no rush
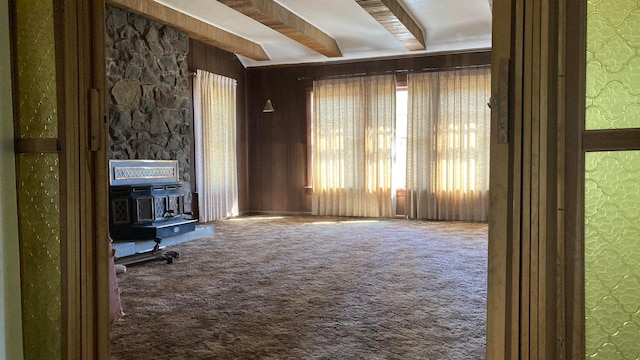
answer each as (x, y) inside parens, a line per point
(611, 140)
(515, 245)
(549, 219)
(433, 61)
(77, 156)
(526, 177)
(561, 329)
(575, 104)
(96, 175)
(198, 30)
(66, 55)
(84, 184)
(13, 43)
(391, 15)
(530, 213)
(280, 19)
(44, 145)
(85, 244)
(277, 213)
(499, 284)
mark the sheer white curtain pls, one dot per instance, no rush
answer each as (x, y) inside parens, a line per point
(448, 144)
(353, 133)
(214, 103)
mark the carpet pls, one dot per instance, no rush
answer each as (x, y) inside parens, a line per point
(311, 288)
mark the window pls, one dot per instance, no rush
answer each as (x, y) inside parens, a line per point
(353, 136)
(434, 153)
(400, 150)
(309, 139)
(448, 144)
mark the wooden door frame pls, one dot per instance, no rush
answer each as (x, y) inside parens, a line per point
(574, 65)
(505, 314)
(535, 272)
(83, 159)
(81, 149)
(87, 255)
(500, 201)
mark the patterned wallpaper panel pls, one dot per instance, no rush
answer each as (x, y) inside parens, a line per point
(38, 180)
(612, 183)
(612, 243)
(39, 225)
(36, 70)
(613, 64)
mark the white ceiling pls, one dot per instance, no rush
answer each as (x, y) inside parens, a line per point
(448, 25)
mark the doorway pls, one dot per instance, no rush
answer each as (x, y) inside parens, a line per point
(511, 318)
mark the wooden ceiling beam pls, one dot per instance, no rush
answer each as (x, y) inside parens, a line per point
(280, 19)
(391, 15)
(197, 29)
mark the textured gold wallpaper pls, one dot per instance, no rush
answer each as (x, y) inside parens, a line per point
(38, 180)
(613, 64)
(39, 208)
(612, 183)
(612, 255)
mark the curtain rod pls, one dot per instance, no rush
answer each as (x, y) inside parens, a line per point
(399, 71)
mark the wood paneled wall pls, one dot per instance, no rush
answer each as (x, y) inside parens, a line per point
(205, 57)
(278, 140)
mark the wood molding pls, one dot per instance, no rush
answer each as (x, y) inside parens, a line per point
(44, 145)
(611, 140)
(573, 33)
(391, 15)
(503, 205)
(198, 30)
(280, 19)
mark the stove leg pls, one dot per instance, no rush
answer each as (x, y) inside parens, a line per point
(156, 254)
(162, 254)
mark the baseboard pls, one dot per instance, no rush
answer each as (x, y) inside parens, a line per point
(276, 213)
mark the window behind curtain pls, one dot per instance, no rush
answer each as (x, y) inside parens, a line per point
(400, 148)
(448, 144)
(353, 135)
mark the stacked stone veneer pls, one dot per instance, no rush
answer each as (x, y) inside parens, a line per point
(147, 75)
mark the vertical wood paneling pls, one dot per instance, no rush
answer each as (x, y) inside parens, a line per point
(550, 115)
(529, 184)
(534, 251)
(532, 254)
(279, 177)
(561, 285)
(301, 175)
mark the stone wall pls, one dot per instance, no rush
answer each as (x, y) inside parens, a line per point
(150, 112)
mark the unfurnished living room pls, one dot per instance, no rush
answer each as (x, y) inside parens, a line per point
(347, 202)
(340, 179)
(294, 180)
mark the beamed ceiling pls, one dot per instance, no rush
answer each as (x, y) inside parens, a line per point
(268, 32)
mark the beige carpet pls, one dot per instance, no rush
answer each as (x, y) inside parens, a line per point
(311, 288)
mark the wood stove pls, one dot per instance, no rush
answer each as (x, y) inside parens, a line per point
(147, 201)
